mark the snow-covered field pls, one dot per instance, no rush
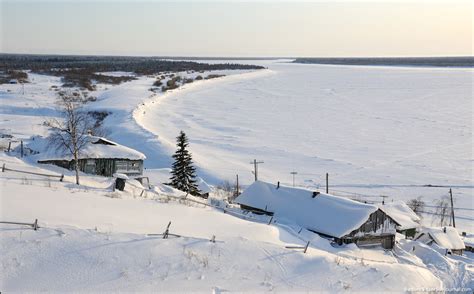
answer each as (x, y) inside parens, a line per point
(376, 130)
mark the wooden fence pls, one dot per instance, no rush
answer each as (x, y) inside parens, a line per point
(4, 168)
(34, 225)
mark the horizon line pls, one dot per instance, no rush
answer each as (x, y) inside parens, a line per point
(235, 57)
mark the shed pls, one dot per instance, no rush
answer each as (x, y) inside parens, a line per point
(446, 237)
(100, 156)
(468, 240)
(407, 220)
(340, 219)
(204, 188)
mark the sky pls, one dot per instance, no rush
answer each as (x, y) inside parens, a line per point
(238, 29)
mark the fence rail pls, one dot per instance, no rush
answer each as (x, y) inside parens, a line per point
(4, 168)
(34, 225)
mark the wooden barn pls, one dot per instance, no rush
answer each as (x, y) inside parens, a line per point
(101, 157)
(340, 219)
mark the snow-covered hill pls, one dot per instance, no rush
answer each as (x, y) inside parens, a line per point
(93, 239)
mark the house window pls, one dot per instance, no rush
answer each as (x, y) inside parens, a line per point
(125, 166)
(134, 166)
(121, 165)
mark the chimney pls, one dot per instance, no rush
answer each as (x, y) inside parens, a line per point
(278, 185)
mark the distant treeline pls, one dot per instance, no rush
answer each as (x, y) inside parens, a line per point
(467, 61)
(138, 65)
(81, 70)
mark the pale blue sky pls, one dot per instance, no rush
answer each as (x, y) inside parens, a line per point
(351, 28)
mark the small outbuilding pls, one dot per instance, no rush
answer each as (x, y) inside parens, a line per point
(406, 219)
(446, 237)
(101, 157)
(204, 188)
(340, 219)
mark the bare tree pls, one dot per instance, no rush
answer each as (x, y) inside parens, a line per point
(70, 135)
(442, 211)
(417, 205)
(226, 189)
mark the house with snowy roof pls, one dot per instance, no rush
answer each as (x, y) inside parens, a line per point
(99, 156)
(446, 238)
(340, 219)
(406, 219)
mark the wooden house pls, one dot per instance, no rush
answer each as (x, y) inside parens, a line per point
(339, 219)
(101, 157)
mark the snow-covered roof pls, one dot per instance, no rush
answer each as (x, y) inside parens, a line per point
(448, 239)
(401, 214)
(203, 186)
(326, 214)
(469, 240)
(96, 147)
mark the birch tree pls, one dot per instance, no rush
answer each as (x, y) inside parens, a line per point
(70, 134)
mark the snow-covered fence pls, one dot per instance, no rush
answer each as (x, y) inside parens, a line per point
(166, 234)
(34, 225)
(305, 248)
(232, 212)
(61, 177)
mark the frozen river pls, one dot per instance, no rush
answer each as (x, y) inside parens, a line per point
(373, 129)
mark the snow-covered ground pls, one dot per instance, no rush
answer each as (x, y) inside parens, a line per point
(93, 239)
(376, 131)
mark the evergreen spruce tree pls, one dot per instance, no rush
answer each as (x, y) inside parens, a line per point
(183, 173)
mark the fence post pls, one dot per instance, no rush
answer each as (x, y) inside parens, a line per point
(35, 225)
(306, 248)
(165, 234)
(61, 178)
(21, 148)
(9, 146)
(270, 221)
(3, 168)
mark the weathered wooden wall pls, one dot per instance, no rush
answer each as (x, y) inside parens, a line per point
(101, 166)
(378, 222)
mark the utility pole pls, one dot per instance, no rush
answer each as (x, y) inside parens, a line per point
(237, 186)
(294, 173)
(327, 183)
(255, 168)
(452, 207)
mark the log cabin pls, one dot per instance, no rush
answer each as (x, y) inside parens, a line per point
(339, 219)
(100, 156)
